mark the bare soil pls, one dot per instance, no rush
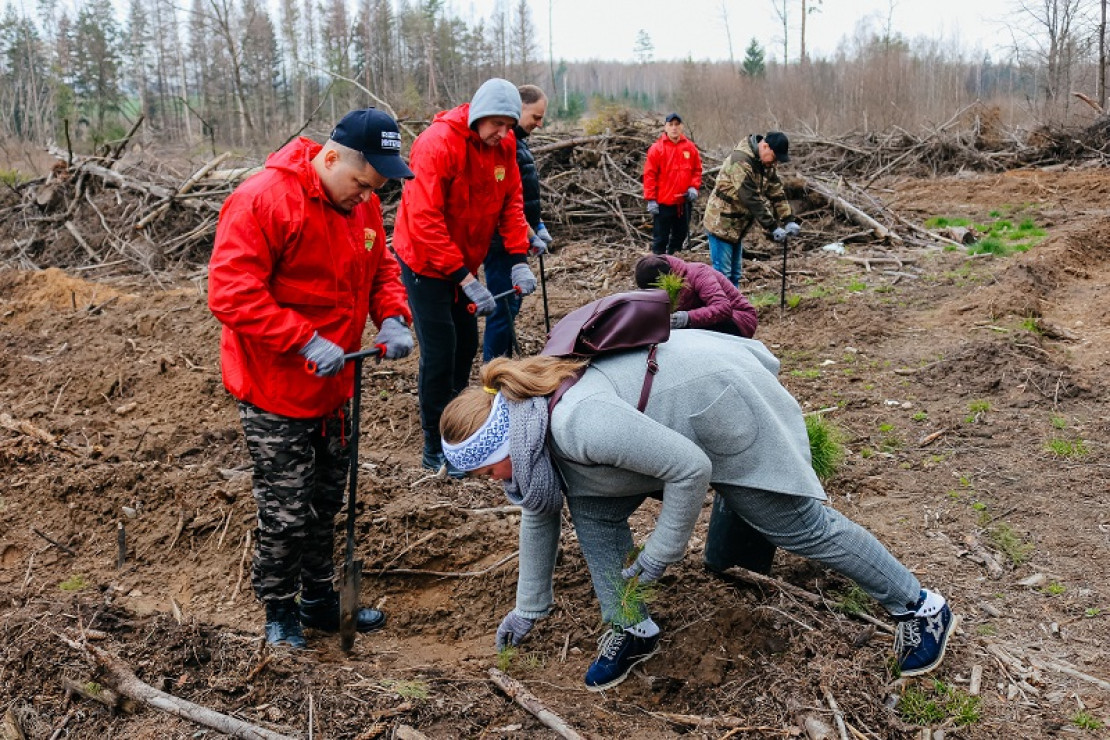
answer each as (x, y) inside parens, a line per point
(948, 381)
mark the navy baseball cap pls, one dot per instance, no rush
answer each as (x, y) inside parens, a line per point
(672, 117)
(779, 144)
(376, 135)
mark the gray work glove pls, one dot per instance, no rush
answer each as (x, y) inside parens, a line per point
(325, 354)
(513, 629)
(480, 296)
(691, 194)
(396, 337)
(680, 319)
(644, 567)
(779, 234)
(523, 278)
(543, 233)
(538, 245)
(793, 229)
(653, 208)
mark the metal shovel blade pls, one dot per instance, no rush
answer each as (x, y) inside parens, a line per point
(348, 603)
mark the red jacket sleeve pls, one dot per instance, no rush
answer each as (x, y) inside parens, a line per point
(425, 206)
(249, 236)
(512, 225)
(387, 292)
(695, 181)
(651, 173)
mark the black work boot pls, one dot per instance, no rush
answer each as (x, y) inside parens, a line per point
(320, 611)
(282, 625)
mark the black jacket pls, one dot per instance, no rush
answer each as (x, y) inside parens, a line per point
(529, 177)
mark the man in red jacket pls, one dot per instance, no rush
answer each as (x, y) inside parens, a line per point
(467, 187)
(299, 262)
(672, 179)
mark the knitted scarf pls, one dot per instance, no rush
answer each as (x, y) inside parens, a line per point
(535, 486)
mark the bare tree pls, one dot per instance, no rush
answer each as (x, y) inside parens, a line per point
(1046, 34)
(780, 7)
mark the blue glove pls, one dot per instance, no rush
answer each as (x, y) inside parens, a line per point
(653, 208)
(792, 228)
(523, 278)
(513, 629)
(680, 319)
(396, 337)
(543, 233)
(325, 354)
(691, 194)
(647, 569)
(779, 234)
(538, 246)
(480, 296)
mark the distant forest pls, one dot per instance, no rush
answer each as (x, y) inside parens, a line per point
(233, 73)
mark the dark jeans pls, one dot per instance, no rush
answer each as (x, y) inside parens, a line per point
(668, 232)
(498, 339)
(448, 337)
(732, 541)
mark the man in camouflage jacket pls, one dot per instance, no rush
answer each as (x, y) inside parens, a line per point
(748, 191)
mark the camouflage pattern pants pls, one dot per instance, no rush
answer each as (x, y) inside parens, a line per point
(299, 484)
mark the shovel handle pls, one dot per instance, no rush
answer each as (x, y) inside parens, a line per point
(472, 307)
(378, 350)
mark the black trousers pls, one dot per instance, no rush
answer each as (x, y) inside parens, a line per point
(668, 231)
(448, 337)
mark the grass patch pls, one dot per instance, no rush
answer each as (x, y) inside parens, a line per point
(857, 286)
(1055, 589)
(853, 601)
(931, 704)
(920, 416)
(74, 583)
(414, 689)
(977, 409)
(764, 300)
(1084, 720)
(793, 301)
(1067, 447)
(1059, 422)
(807, 374)
(826, 446)
(12, 178)
(1011, 544)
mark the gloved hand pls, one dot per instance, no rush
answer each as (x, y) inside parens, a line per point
(644, 567)
(653, 208)
(691, 194)
(779, 234)
(327, 355)
(680, 319)
(538, 245)
(793, 229)
(543, 233)
(396, 337)
(523, 278)
(480, 296)
(513, 629)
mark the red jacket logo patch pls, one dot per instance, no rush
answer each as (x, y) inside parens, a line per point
(369, 237)
(499, 173)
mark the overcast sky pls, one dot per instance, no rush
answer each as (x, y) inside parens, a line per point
(607, 29)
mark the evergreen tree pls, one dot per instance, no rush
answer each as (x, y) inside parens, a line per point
(754, 64)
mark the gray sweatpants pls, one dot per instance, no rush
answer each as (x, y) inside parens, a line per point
(797, 524)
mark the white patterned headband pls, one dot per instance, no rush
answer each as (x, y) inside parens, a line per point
(488, 445)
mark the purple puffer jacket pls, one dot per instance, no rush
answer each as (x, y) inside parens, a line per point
(711, 299)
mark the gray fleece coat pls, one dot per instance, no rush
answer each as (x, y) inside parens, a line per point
(717, 414)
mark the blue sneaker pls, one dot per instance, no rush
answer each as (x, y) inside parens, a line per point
(922, 635)
(620, 652)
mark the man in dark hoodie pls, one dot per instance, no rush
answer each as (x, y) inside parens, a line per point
(497, 341)
(748, 191)
(467, 187)
(300, 261)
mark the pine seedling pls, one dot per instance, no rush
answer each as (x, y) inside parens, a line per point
(826, 446)
(671, 283)
(632, 594)
(505, 658)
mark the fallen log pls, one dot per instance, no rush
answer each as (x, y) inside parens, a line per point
(854, 214)
(129, 685)
(515, 691)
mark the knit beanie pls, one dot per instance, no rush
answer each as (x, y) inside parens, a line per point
(496, 97)
(649, 268)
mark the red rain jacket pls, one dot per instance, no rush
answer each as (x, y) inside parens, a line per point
(670, 170)
(287, 263)
(464, 190)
